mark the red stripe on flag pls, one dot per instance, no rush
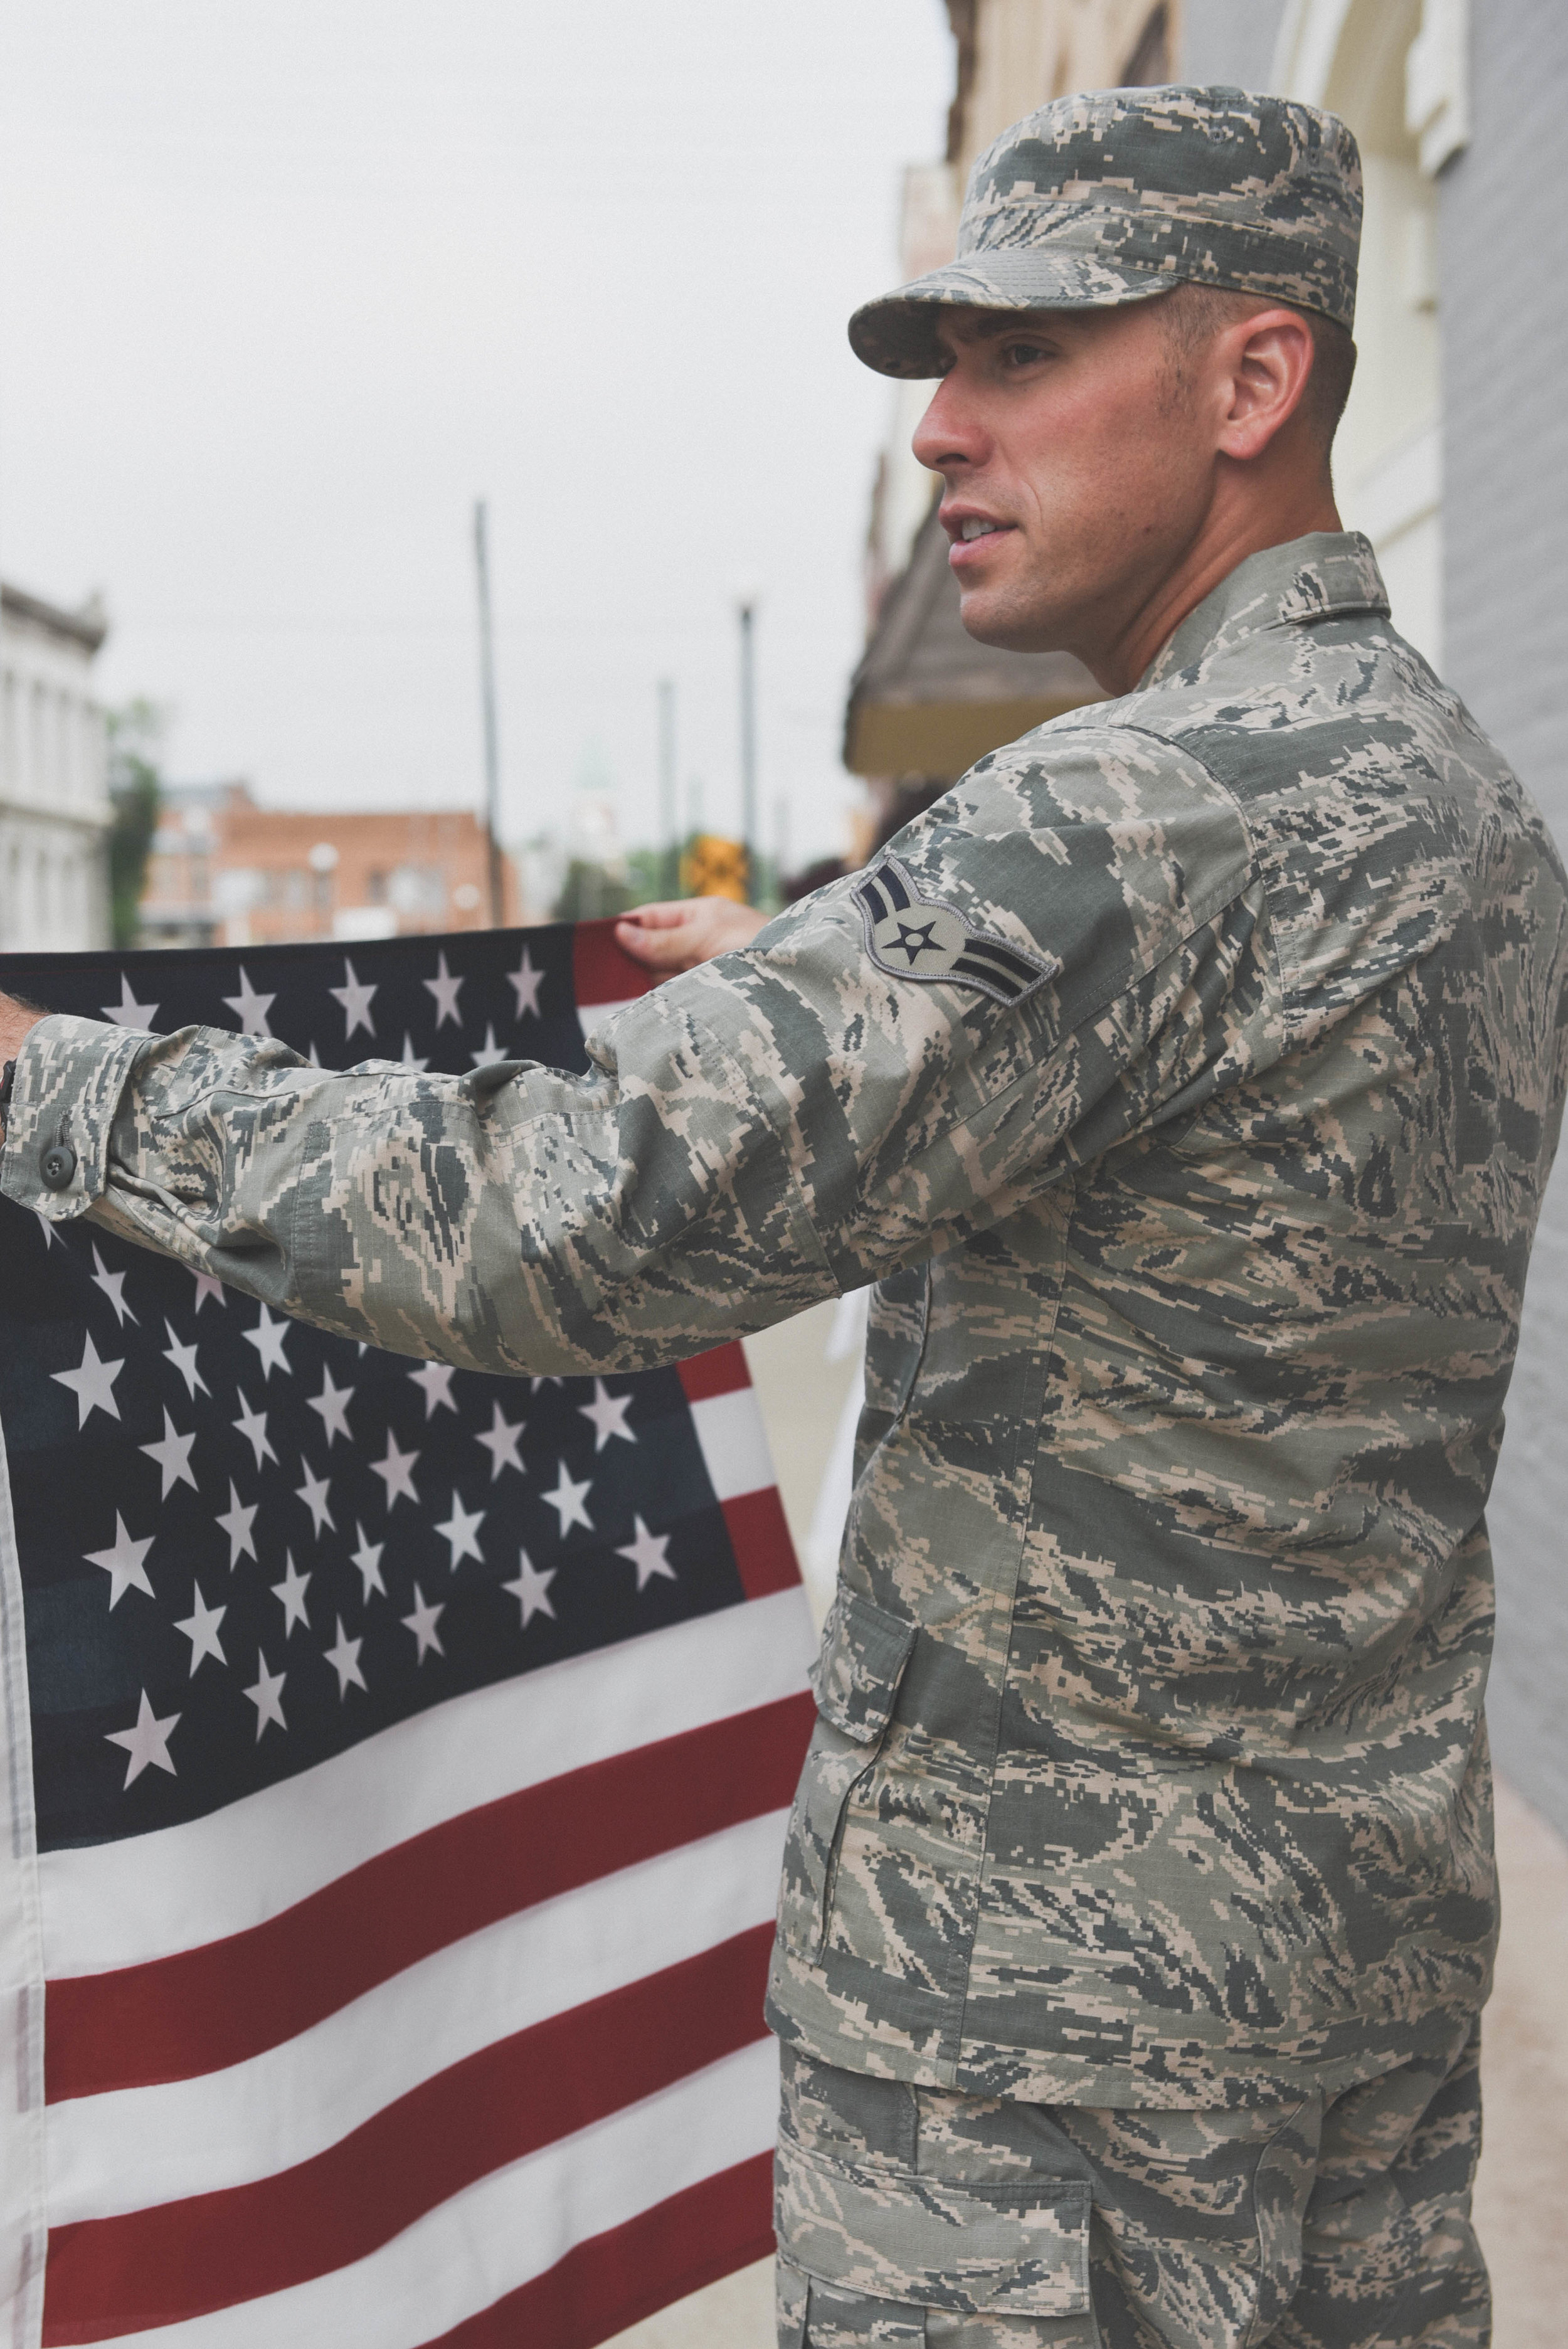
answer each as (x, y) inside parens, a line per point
(721, 1371)
(616, 2279)
(764, 1553)
(204, 2009)
(601, 973)
(182, 2260)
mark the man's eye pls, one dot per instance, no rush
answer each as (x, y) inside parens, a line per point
(1022, 354)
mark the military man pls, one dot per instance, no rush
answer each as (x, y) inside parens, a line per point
(1186, 1080)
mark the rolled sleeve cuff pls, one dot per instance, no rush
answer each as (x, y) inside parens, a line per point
(70, 1074)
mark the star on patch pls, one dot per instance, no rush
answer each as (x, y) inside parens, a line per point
(911, 935)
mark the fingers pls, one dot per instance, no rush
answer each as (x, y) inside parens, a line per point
(666, 914)
(675, 937)
(666, 950)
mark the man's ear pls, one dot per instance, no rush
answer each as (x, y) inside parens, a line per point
(1269, 361)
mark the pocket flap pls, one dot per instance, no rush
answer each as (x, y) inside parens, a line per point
(856, 1675)
(1015, 2246)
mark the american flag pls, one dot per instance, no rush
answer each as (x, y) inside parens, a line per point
(393, 1851)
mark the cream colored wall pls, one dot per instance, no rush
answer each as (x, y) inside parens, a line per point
(1031, 50)
(1352, 56)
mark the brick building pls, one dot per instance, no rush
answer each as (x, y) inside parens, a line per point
(225, 872)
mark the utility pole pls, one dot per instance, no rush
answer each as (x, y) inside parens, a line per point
(487, 693)
(748, 616)
(668, 819)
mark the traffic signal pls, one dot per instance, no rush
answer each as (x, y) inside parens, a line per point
(712, 867)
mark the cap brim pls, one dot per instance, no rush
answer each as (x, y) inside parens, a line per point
(898, 334)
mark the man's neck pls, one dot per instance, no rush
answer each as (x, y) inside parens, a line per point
(1229, 534)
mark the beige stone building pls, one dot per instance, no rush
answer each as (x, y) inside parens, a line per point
(54, 757)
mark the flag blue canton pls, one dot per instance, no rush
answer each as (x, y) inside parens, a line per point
(245, 1544)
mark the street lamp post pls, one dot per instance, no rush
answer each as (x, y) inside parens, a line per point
(487, 692)
(668, 819)
(747, 611)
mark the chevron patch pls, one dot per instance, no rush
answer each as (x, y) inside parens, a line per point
(913, 936)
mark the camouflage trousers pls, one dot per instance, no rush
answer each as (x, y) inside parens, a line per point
(918, 2219)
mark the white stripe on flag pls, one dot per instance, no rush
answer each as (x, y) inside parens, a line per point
(734, 1443)
(134, 2147)
(513, 2226)
(119, 1904)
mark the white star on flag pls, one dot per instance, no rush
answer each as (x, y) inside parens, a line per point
(345, 1661)
(207, 1284)
(250, 1008)
(435, 1380)
(122, 1563)
(266, 1696)
(647, 1554)
(333, 1404)
(608, 1413)
(422, 1622)
(172, 1453)
(51, 1237)
(444, 987)
(355, 1001)
(290, 1594)
(396, 1470)
(488, 1051)
(253, 1426)
(530, 1588)
(313, 1493)
(567, 1501)
(500, 1440)
(146, 1744)
(269, 1338)
(128, 1012)
(459, 1531)
(410, 1058)
(201, 1627)
(237, 1525)
(92, 1384)
(113, 1287)
(526, 981)
(184, 1360)
(368, 1558)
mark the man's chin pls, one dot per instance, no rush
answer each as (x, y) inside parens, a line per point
(992, 617)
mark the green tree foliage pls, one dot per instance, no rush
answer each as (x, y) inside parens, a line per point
(135, 785)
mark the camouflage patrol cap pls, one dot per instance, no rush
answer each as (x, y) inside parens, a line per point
(1120, 195)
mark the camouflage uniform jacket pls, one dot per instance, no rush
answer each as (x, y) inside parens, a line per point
(1187, 1080)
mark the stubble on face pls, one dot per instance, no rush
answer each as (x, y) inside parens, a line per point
(1074, 430)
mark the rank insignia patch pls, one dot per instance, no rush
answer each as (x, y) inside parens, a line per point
(911, 937)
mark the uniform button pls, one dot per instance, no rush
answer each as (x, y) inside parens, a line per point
(57, 1165)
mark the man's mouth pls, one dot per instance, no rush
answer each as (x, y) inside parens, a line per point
(975, 529)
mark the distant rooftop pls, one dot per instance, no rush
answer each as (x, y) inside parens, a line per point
(87, 627)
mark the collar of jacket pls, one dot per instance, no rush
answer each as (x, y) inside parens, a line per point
(1325, 575)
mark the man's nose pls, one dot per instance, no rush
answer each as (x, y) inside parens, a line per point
(949, 434)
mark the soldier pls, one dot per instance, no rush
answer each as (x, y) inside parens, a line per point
(1186, 1080)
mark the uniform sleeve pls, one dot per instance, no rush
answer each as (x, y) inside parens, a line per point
(1071, 946)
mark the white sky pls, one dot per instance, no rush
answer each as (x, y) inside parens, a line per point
(284, 286)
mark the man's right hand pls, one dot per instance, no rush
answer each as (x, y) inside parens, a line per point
(681, 932)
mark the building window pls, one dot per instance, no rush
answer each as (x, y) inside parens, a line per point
(1150, 59)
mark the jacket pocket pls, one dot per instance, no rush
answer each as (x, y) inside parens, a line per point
(855, 1681)
(1014, 2247)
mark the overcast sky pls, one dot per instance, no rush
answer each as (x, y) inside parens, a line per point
(283, 287)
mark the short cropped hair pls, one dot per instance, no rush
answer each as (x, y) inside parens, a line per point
(1192, 315)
